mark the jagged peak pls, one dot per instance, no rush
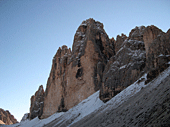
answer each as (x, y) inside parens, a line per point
(6, 117)
(40, 89)
(123, 36)
(168, 31)
(63, 50)
(90, 21)
(137, 32)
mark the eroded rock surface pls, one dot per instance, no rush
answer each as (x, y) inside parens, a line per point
(148, 108)
(146, 50)
(99, 63)
(37, 103)
(77, 74)
(124, 68)
(6, 117)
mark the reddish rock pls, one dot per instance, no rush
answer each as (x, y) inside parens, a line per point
(6, 117)
(77, 74)
(99, 63)
(150, 33)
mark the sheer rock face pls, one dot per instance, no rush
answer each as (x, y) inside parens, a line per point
(147, 49)
(123, 69)
(99, 63)
(6, 117)
(37, 103)
(77, 74)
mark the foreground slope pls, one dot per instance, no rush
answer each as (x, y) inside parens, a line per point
(137, 105)
(149, 107)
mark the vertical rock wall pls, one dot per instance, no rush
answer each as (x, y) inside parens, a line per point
(146, 50)
(77, 74)
(99, 63)
(37, 103)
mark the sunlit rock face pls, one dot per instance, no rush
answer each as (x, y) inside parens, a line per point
(6, 117)
(77, 74)
(99, 63)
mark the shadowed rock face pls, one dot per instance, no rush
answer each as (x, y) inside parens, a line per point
(147, 49)
(37, 103)
(6, 117)
(77, 74)
(124, 68)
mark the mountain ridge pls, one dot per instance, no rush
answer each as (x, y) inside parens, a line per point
(6, 117)
(126, 108)
(111, 65)
(99, 64)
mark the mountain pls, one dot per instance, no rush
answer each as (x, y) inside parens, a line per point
(100, 75)
(137, 105)
(6, 117)
(76, 74)
(37, 104)
(99, 63)
(147, 49)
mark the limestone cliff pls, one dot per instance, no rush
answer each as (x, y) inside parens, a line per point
(146, 50)
(77, 74)
(99, 63)
(6, 117)
(37, 103)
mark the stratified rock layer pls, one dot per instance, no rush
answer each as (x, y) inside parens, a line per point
(6, 117)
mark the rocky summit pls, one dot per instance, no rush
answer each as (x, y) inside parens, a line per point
(99, 63)
(37, 103)
(6, 117)
(147, 49)
(77, 74)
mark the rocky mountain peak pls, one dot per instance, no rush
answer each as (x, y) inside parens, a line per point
(99, 63)
(137, 33)
(119, 41)
(6, 117)
(91, 30)
(146, 50)
(37, 103)
(77, 74)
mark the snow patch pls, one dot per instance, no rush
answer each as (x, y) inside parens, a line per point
(36, 122)
(94, 104)
(122, 67)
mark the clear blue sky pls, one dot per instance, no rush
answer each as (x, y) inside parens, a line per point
(31, 31)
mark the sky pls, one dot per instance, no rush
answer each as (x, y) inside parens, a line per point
(31, 31)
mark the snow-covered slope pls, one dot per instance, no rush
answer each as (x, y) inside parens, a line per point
(93, 104)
